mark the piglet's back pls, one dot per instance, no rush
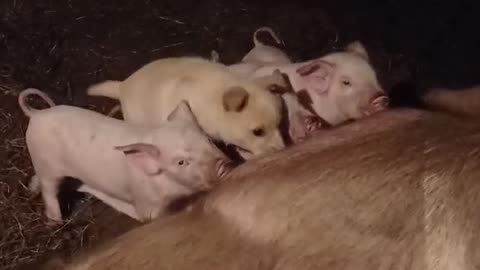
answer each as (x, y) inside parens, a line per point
(61, 122)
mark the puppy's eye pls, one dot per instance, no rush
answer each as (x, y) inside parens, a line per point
(259, 132)
(346, 83)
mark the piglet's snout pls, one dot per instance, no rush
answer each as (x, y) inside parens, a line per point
(380, 102)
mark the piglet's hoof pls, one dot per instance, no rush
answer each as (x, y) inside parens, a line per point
(312, 123)
(34, 185)
(53, 223)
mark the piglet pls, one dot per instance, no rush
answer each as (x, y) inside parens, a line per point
(265, 54)
(342, 85)
(260, 55)
(134, 169)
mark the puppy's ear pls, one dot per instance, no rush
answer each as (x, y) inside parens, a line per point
(235, 99)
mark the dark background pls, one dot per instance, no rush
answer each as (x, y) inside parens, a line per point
(64, 46)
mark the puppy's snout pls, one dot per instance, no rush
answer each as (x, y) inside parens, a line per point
(276, 147)
(278, 142)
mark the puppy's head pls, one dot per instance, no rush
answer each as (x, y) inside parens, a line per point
(253, 115)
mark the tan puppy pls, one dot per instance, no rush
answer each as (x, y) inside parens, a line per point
(405, 196)
(228, 108)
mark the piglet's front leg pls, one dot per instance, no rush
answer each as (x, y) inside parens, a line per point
(148, 210)
(301, 121)
(116, 204)
(141, 209)
(303, 126)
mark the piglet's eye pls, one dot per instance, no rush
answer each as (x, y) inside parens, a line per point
(182, 162)
(346, 83)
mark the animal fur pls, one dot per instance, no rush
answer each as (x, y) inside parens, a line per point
(403, 196)
(227, 107)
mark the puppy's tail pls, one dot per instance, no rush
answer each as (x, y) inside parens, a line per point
(109, 89)
(270, 31)
(22, 102)
(464, 102)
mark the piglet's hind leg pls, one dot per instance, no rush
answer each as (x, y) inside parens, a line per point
(34, 185)
(50, 187)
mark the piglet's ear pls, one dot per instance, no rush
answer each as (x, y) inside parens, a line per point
(183, 113)
(357, 48)
(317, 75)
(143, 156)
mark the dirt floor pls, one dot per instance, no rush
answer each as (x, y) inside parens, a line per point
(62, 47)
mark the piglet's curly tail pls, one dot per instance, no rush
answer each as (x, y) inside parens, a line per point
(22, 100)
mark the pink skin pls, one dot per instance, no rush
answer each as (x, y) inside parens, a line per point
(301, 121)
(261, 53)
(136, 170)
(309, 123)
(342, 85)
(378, 104)
(319, 77)
(265, 54)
